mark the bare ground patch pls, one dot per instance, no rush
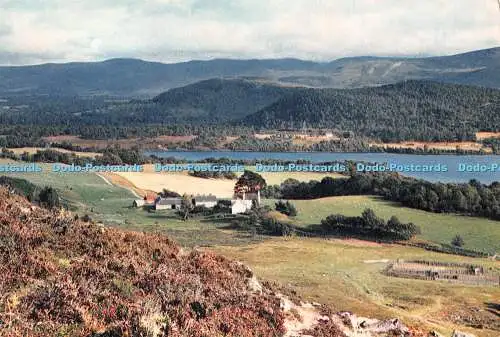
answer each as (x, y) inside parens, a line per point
(33, 150)
(485, 135)
(445, 146)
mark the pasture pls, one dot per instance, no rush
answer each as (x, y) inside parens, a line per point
(88, 193)
(478, 233)
(345, 274)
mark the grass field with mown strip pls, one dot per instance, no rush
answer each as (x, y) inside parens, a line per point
(479, 233)
(334, 272)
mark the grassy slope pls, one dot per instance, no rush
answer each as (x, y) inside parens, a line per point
(478, 233)
(62, 277)
(88, 193)
(333, 272)
(111, 204)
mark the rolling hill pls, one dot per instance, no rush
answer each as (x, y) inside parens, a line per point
(137, 78)
(68, 277)
(218, 99)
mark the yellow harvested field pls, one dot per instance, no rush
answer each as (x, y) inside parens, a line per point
(485, 135)
(33, 150)
(180, 183)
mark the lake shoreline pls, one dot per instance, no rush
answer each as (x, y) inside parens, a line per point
(451, 172)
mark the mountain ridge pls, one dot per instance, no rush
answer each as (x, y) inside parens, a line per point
(137, 78)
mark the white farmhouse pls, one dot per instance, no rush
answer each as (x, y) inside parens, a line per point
(208, 201)
(168, 203)
(239, 206)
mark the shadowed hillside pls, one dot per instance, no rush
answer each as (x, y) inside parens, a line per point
(215, 100)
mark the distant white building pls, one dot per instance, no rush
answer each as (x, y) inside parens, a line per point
(248, 196)
(208, 201)
(239, 206)
(148, 200)
(139, 202)
(168, 203)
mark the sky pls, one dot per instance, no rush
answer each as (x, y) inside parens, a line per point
(41, 31)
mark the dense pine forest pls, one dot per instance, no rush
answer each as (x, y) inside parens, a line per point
(411, 110)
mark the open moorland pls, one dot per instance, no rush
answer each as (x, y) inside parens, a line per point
(344, 273)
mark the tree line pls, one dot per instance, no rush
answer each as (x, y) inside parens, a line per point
(471, 198)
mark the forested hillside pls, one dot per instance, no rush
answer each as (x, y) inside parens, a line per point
(412, 110)
(416, 110)
(215, 100)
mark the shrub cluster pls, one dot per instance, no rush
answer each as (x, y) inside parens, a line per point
(370, 225)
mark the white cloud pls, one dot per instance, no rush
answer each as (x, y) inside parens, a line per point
(174, 30)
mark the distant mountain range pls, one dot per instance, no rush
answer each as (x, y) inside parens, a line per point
(136, 78)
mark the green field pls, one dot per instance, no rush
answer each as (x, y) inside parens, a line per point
(479, 233)
(88, 193)
(335, 272)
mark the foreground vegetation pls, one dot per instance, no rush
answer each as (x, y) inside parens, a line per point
(63, 277)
